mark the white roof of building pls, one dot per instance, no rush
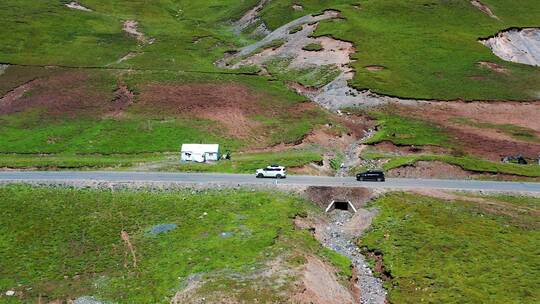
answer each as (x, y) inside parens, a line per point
(200, 148)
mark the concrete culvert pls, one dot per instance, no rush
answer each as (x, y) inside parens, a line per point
(323, 196)
(341, 205)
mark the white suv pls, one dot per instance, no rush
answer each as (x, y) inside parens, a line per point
(272, 171)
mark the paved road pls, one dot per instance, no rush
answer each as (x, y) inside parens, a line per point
(247, 179)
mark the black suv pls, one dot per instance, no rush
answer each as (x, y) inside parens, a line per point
(371, 175)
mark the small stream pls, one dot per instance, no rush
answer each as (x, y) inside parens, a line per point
(336, 238)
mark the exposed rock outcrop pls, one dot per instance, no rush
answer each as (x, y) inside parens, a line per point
(516, 45)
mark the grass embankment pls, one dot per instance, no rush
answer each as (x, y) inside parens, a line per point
(249, 162)
(66, 161)
(458, 251)
(63, 243)
(407, 131)
(402, 130)
(469, 163)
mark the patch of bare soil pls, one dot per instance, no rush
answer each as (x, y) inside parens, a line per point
(12, 96)
(486, 144)
(379, 266)
(132, 28)
(122, 100)
(389, 147)
(249, 18)
(484, 8)
(320, 285)
(3, 68)
(231, 105)
(493, 66)
(359, 222)
(274, 282)
(65, 94)
(127, 57)
(516, 45)
(76, 5)
(336, 94)
(375, 68)
(425, 169)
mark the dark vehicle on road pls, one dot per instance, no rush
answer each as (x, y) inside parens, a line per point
(371, 175)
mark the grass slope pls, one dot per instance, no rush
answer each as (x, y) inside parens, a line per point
(457, 251)
(76, 122)
(429, 52)
(64, 243)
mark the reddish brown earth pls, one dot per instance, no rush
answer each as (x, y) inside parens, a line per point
(389, 147)
(488, 143)
(67, 94)
(493, 67)
(234, 106)
(425, 169)
(320, 285)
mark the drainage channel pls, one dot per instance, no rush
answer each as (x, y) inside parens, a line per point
(337, 238)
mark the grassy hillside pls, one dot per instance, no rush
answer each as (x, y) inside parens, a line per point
(65, 243)
(458, 251)
(85, 112)
(431, 51)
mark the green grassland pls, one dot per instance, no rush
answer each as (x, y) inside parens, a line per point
(89, 132)
(429, 52)
(429, 49)
(61, 243)
(249, 162)
(402, 130)
(458, 251)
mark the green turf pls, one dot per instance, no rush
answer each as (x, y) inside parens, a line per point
(429, 52)
(458, 252)
(73, 161)
(313, 47)
(64, 243)
(402, 130)
(249, 162)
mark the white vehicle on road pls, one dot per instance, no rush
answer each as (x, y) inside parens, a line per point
(274, 171)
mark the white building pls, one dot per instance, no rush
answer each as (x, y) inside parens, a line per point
(200, 153)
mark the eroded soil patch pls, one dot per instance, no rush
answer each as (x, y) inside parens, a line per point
(320, 285)
(484, 8)
(230, 105)
(65, 94)
(77, 6)
(434, 169)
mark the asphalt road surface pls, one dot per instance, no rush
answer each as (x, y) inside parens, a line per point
(249, 179)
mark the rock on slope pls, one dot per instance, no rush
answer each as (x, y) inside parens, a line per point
(522, 46)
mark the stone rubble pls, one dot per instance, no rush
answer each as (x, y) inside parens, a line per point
(335, 238)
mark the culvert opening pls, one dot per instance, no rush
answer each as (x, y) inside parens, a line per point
(341, 205)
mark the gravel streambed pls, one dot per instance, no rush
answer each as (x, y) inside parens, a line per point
(335, 237)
